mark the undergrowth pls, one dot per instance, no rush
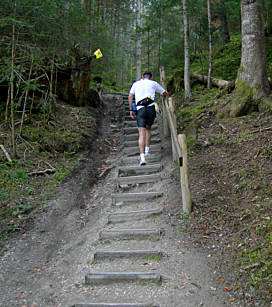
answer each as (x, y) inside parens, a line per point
(55, 145)
(231, 190)
(237, 168)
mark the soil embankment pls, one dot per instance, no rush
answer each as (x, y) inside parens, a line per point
(47, 265)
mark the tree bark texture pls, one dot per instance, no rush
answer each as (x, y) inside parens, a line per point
(224, 22)
(139, 40)
(215, 82)
(73, 82)
(187, 85)
(252, 72)
(210, 43)
(12, 80)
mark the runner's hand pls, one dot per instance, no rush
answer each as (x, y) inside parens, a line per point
(132, 115)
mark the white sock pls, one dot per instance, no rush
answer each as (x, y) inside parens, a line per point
(146, 149)
(142, 156)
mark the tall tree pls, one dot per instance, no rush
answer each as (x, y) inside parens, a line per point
(12, 85)
(187, 86)
(139, 40)
(224, 22)
(210, 43)
(252, 73)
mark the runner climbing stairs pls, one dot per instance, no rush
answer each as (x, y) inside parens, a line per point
(132, 227)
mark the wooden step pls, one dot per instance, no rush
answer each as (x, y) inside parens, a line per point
(127, 117)
(139, 170)
(99, 255)
(132, 130)
(130, 151)
(139, 179)
(114, 305)
(130, 123)
(153, 158)
(130, 233)
(133, 143)
(95, 278)
(133, 215)
(134, 136)
(135, 196)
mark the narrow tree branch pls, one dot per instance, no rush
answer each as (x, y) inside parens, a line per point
(6, 153)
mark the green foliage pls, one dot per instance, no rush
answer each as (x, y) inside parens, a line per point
(226, 60)
(56, 143)
(182, 222)
(269, 56)
(203, 102)
(191, 139)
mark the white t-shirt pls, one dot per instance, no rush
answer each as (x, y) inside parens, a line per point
(145, 88)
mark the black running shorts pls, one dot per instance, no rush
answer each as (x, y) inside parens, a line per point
(146, 116)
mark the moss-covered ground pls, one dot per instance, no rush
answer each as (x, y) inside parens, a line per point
(230, 162)
(56, 143)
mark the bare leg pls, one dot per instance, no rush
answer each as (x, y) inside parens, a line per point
(147, 136)
(142, 138)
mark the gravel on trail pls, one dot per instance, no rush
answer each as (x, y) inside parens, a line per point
(47, 265)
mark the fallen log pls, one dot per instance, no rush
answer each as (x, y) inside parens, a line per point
(214, 81)
(6, 153)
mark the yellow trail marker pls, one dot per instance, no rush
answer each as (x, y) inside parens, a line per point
(98, 53)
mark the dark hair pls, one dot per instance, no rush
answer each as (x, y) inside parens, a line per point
(147, 74)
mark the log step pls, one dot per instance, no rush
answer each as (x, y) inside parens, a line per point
(139, 179)
(137, 170)
(94, 278)
(135, 150)
(135, 196)
(114, 305)
(98, 255)
(153, 158)
(128, 118)
(131, 130)
(134, 136)
(139, 214)
(130, 123)
(135, 142)
(130, 233)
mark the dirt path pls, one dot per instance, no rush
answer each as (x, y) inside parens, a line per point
(48, 266)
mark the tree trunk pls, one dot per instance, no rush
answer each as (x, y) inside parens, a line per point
(148, 49)
(12, 107)
(252, 75)
(187, 85)
(210, 43)
(25, 101)
(74, 82)
(215, 82)
(268, 19)
(138, 40)
(7, 104)
(224, 22)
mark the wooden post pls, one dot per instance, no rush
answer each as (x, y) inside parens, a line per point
(166, 130)
(184, 178)
(172, 111)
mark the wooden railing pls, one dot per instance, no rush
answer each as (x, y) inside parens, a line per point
(179, 151)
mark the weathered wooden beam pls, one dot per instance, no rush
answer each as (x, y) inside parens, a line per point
(214, 81)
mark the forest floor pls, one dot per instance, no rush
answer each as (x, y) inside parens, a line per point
(229, 230)
(231, 181)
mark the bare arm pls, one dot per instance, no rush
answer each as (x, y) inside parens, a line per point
(130, 99)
